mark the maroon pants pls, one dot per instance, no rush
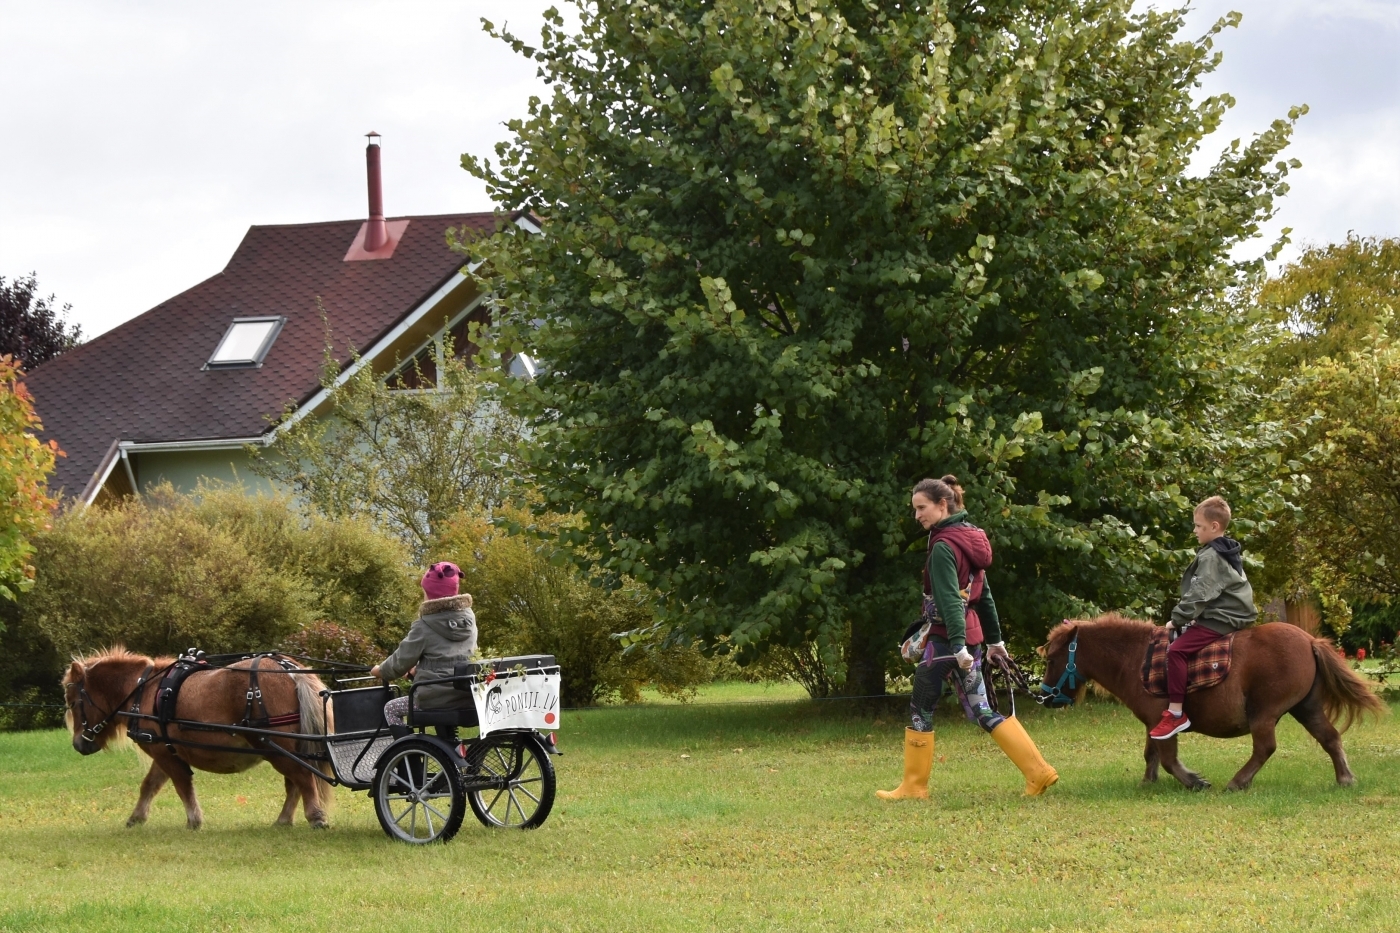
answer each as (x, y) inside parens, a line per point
(1186, 645)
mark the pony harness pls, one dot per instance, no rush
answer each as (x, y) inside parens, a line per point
(1205, 669)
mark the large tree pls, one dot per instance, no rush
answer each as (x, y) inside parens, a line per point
(798, 254)
(1331, 354)
(32, 329)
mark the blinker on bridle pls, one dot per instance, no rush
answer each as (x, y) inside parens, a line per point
(1062, 694)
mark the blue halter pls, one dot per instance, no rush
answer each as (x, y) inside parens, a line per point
(1062, 694)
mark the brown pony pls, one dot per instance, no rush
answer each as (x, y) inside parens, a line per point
(1274, 669)
(96, 687)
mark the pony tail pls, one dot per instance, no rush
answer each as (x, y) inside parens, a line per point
(1345, 696)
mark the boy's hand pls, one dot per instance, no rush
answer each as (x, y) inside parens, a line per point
(964, 658)
(374, 671)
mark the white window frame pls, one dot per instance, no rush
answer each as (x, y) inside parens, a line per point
(256, 362)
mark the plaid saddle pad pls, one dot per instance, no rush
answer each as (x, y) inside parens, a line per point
(1209, 667)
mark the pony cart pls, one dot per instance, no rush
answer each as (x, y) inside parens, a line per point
(422, 783)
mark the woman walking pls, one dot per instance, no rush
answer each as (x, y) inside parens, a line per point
(959, 619)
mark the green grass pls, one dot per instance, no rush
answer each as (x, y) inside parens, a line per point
(769, 824)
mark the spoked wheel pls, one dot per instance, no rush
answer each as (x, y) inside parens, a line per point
(510, 781)
(418, 793)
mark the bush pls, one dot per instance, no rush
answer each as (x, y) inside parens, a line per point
(326, 641)
(529, 602)
(219, 570)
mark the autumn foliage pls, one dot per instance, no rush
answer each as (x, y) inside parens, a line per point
(25, 464)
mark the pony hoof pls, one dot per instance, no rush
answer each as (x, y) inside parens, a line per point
(1233, 787)
(1201, 785)
(1346, 780)
(321, 825)
(133, 822)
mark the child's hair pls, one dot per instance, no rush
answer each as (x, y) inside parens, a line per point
(1215, 509)
(951, 482)
(936, 490)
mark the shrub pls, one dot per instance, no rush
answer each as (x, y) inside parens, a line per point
(25, 464)
(529, 602)
(357, 576)
(326, 641)
(219, 570)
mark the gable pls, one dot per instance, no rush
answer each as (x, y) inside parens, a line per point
(146, 384)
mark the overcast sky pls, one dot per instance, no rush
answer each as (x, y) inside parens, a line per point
(143, 138)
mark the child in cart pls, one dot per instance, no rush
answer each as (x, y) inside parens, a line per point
(443, 636)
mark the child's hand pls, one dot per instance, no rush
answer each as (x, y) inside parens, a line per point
(374, 671)
(964, 658)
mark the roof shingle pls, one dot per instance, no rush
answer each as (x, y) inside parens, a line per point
(145, 381)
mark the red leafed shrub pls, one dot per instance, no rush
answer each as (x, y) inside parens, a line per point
(327, 641)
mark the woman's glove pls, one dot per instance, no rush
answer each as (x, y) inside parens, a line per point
(997, 654)
(964, 658)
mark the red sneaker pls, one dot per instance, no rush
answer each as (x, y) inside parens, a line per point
(1170, 725)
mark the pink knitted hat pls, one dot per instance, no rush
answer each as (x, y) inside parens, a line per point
(442, 580)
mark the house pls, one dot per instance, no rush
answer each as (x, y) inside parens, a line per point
(179, 393)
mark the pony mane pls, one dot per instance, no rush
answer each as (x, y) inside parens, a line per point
(116, 653)
(1114, 622)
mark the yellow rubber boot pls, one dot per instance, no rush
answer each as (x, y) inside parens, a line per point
(918, 762)
(1012, 738)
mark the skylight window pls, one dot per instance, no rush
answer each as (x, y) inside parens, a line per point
(246, 342)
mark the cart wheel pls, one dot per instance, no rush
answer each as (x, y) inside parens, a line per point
(520, 792)
(417, 793)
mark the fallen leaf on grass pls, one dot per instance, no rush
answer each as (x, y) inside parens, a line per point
(685, 756)
(241, 799)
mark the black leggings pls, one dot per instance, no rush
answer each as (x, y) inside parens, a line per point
(940, 668)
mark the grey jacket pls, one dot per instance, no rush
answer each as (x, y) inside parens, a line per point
(1214, 595)
(443, 636)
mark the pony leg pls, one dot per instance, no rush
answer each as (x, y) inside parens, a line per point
(1151, 756)
(150, 786)
(183, 780)
(311, 801)
(289, 808)
(1264, 744)
(1166, 751)
(1313, 717)
(302, 783)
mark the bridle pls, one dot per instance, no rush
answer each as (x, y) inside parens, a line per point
(1062, 694)
(79, 707)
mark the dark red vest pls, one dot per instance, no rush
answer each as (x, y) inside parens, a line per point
(972, 554)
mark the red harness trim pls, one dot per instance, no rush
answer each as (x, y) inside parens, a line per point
(286, 719)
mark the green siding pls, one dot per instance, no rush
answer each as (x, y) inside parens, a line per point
(184, 469)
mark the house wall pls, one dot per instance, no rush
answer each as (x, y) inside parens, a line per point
(184, 469)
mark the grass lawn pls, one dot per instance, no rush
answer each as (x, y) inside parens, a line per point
(747, 810)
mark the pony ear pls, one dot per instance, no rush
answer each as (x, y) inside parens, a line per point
(1062, 632)
(75, 673)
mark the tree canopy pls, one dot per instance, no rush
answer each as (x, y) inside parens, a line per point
(799, 254)
(1330, 353)
(32, 330)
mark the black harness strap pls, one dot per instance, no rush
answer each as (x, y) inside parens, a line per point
(135, 711)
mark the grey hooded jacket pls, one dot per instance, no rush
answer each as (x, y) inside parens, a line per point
(443, 636)
(1214, 595)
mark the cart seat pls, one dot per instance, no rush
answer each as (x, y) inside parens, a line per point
(443, 717)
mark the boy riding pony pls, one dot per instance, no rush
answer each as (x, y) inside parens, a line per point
(1216, 601)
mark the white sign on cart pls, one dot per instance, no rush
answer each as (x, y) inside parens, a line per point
(517, 693)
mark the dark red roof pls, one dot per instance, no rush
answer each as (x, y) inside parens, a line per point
(144, 381)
